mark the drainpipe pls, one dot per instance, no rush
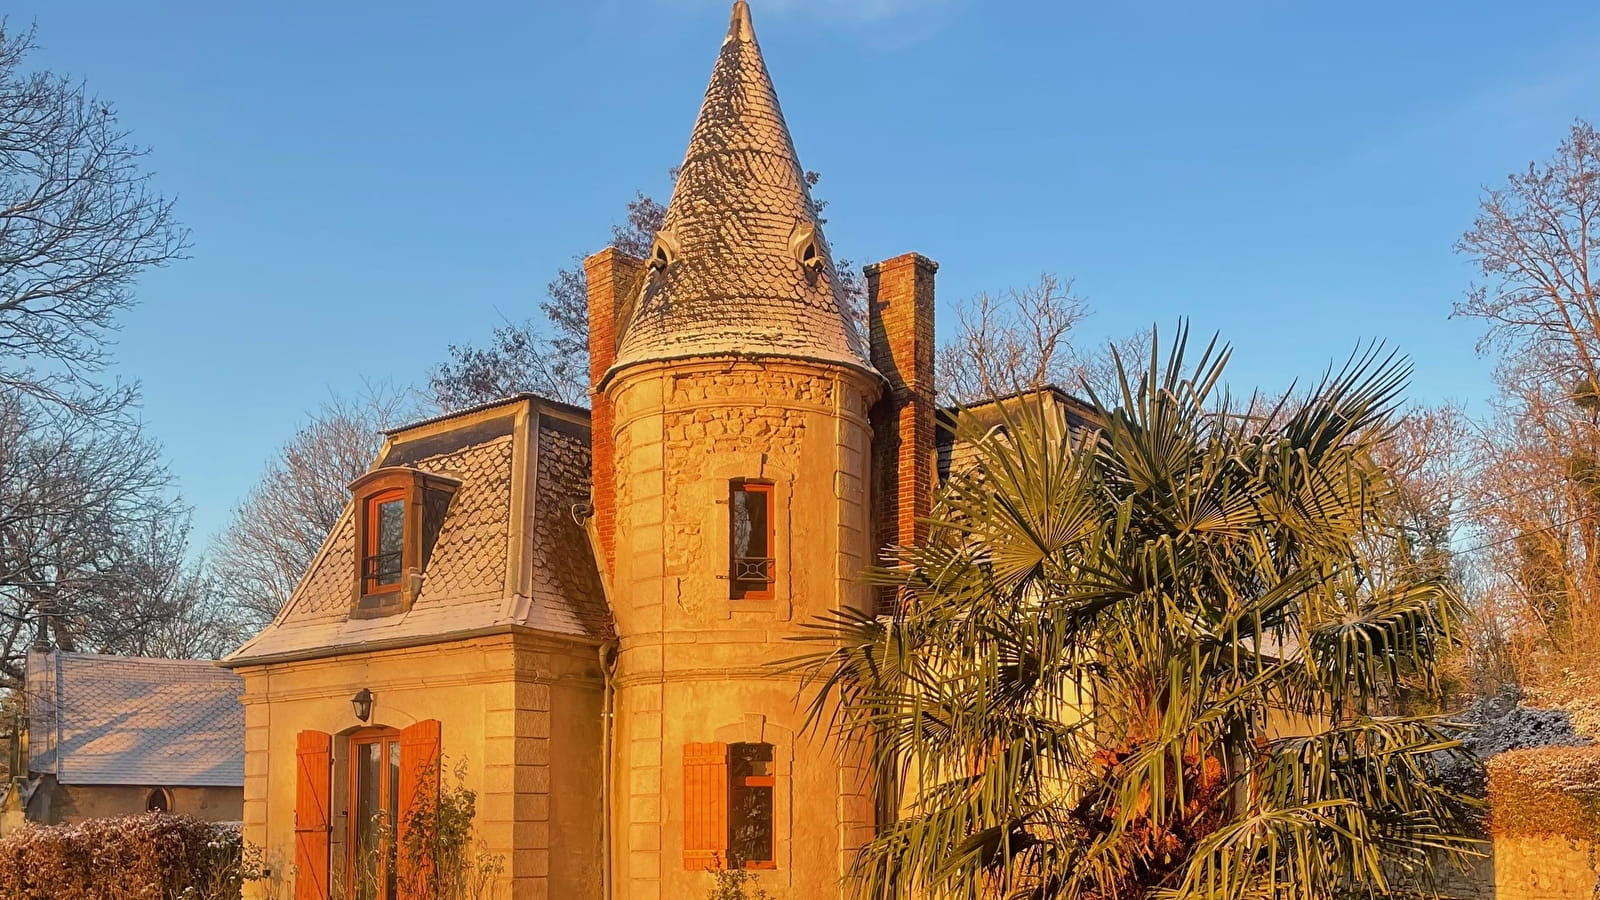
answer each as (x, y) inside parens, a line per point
(583, 514)
(608, 667)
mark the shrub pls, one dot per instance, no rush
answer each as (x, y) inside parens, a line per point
(443, 859)
(436, 854)
(737, 883)
(1552, 791)
(147, 857)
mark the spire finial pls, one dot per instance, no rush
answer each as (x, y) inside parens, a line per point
(740, 27)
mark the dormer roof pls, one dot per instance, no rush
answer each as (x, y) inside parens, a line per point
(509, 553)
(741, 267)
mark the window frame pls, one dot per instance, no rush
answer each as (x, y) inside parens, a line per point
(372, 540)
(385, 738)
(737, 589)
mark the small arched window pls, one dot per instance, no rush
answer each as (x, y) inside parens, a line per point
(384, 544)
(158, 801)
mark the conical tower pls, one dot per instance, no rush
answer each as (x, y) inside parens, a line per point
(741, 266)
(733, 463)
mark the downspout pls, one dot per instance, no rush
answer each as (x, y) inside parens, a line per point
(583, 513)
(608, 668)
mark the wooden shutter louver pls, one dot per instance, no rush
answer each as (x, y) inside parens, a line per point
(314, 762)
(705, 806)
(419, 796)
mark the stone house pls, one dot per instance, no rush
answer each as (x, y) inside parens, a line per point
(118, 735)
(578, 608)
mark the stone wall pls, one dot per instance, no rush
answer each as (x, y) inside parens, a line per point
(60, 804)
(1545, 822)
(694, 662)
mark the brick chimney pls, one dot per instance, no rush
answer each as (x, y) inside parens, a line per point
(613, 277)
(900, 325)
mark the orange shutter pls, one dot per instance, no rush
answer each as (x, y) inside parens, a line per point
(419, 795)
(705, 806)
(314, 760)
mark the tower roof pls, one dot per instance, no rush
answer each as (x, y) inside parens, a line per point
(740, 266)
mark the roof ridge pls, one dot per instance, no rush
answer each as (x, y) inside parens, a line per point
(118, 657)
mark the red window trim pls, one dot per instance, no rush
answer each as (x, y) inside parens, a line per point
(736, 592)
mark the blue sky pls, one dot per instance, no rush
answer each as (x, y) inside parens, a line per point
(369, 181)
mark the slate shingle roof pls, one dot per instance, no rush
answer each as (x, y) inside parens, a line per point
(735, 285)
(96, 719)
(566, 592)
(509, 552)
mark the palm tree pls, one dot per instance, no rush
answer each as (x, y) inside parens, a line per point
(1152, 660)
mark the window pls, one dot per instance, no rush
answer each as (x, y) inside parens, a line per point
(384, 550)
(728, 802)
(374, 812)
(158, 801)
(750, 783)
(399, 516)
(750, 540)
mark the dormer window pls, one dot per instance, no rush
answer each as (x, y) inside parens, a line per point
(663, 251)
(399, 512)
(803, 244)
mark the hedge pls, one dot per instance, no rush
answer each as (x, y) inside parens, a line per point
(147, 857)
(1551, 791)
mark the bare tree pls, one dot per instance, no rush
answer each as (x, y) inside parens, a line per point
(1010, 342)
(80, 500)
(1025, 338)
(79, 222)
(1537, 241)
(1536, 490)
(277, 530)
(551, 357)
(179, 606)
(1426, 458)
(92, 545)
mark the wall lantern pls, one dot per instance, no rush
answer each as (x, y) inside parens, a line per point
(362, 702)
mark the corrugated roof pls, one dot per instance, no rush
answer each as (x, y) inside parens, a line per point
(735, 283)
(126, 720)
(468, 583)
